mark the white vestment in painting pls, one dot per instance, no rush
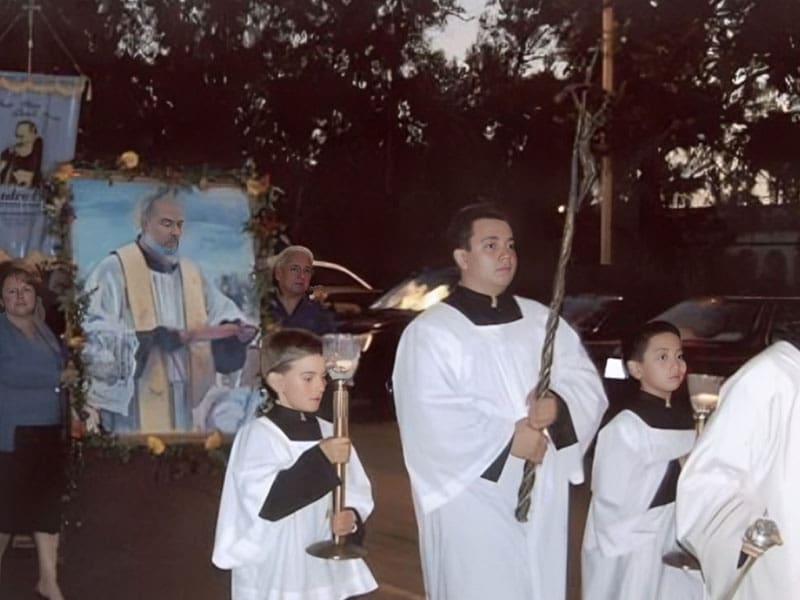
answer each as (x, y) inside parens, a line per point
(629, 528)
(111, 325)
(269, 558)
(459, 390)
(746, 465)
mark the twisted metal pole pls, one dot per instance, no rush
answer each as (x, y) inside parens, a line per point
(583, 174)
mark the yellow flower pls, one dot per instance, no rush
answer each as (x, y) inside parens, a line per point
(156, 445)
(213, 441)
(128, 160)
(76, 342)
(64, 171)
(257, 186)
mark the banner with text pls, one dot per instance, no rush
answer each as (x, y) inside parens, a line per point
(38, 128)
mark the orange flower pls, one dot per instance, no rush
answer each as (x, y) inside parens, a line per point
(258, 186)
(63, 172)
(213, 441)
(156, 445)
(128, 160)
(77, 429)
(76, 342)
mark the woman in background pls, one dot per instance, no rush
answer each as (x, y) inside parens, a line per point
(31, 423)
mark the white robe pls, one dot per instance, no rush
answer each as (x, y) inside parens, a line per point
(459, 389)
(625, 540)
(111, 340)
(268, 558)
(747, 465)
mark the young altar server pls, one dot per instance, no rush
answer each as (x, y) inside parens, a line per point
(631, 520)
(746, 466)
(276, 500)
(464, 381)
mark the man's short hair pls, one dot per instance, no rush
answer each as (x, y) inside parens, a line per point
(635, 346)
(459, 231)
(146, 206)
(284, 255)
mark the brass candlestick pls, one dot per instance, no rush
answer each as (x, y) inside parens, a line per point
(704, 396)
(341, 353)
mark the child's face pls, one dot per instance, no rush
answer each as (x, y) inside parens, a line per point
(301, 387)
(662, 367)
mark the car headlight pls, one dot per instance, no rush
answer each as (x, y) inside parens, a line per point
(366, 341)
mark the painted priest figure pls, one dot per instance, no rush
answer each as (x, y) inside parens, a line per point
(745, 467)
(150, 352)
(463, 380)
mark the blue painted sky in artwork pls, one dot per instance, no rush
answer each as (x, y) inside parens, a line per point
(107, 217)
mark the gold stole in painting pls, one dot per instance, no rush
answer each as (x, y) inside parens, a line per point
(152, 389)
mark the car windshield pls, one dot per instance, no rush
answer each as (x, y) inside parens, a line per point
(587, 312)
(419, 292)
(333, 275)
(713, 319)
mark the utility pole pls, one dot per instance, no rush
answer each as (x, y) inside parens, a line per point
(30, 7)
(606, 175)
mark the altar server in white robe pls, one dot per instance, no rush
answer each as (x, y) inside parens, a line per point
(275, 499)
(747, 466)
(150, 354)
(463, 380)
(631, 520)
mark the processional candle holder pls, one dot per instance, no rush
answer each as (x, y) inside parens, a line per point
(341, 352)
(704, 396)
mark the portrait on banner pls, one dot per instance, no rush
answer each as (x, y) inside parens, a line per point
(171, 311)
(38, 129)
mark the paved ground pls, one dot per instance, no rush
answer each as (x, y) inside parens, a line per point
(132, 536)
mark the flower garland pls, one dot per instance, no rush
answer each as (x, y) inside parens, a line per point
(177, 458)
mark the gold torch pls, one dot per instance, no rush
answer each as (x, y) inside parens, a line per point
(704, 396)
(341, 352)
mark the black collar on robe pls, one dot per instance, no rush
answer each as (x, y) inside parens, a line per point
(297, 425)
(653, 411)
(478, 307)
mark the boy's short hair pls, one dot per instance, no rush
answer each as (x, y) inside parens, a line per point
(635, 346)
(280, 349)
(459, 231)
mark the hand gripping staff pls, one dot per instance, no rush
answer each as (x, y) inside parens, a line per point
(583, 174)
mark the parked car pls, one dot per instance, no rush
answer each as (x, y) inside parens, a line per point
(601, 320)
(383, 323)
(720, 333)
(345, 291)
(604, 320)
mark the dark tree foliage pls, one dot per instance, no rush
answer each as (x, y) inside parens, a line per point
(376, 138)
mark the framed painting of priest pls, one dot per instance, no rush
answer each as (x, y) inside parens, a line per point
(170, 311)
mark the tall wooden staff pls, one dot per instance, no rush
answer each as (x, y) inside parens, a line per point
(583, 174)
